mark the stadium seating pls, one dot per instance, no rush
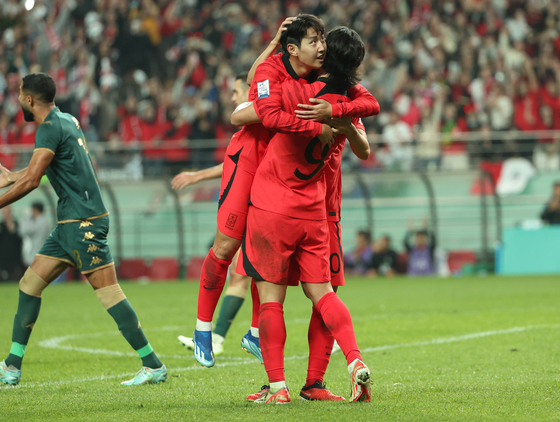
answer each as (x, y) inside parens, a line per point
(131, 269)
(164, 269)
(456, 260)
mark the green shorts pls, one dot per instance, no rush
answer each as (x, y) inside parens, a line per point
(82, 244)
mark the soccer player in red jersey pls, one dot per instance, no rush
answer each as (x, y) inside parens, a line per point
(238, 284)
(288, 220)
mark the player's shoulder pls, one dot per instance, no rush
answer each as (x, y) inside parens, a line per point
(274, 65)
(50, 125)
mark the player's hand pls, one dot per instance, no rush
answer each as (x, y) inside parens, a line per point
(341, 125)
(326, 137)
(281, 30)
(184, 179)
(5, 177)
(320, 112)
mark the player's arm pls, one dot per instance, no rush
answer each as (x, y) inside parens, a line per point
(8, 177)
(30, 180)
(187, 178)
(356, 136)
(363, 104)
(270, 50)
(244, 114)
(267, 89)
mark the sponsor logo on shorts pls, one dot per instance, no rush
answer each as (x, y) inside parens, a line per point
(85, 224)
(263, 89)
(232, 219)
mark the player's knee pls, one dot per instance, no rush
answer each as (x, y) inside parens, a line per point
(111, 295)
(226, 249)
(31, 284)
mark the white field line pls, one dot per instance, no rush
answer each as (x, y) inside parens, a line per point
(54, 344)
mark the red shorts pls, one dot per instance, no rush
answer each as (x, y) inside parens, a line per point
(274, 241)
(240, 164)
(335, 258)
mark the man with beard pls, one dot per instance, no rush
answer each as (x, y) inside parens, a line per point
(80, 237)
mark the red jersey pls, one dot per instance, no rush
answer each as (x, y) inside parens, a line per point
(267, 91)
(266, 94)
(333, 179)
(290, 178)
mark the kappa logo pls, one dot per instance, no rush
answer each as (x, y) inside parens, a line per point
(263, 89)
(232, 219)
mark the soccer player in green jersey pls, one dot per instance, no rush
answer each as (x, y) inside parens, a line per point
(80, 237)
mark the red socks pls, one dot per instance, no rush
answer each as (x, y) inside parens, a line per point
(212, 280)
(272, 333)
(338, 320)
(256, 304)
(320, 346)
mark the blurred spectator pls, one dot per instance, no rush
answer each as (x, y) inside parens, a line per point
(551, 213)
(359, 260)
(11, 264)
(384, 261)
(421, 253)
(34, 229)
(498, 61)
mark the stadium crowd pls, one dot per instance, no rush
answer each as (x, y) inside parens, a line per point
(140, 72)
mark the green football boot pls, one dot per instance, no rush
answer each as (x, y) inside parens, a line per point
(9, 374)
(148, 376)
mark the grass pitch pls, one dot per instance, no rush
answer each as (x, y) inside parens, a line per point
(439, 349)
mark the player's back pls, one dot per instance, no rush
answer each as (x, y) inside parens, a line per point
(71, 171)
(290, 178)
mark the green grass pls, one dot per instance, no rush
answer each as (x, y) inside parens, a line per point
(440, 349)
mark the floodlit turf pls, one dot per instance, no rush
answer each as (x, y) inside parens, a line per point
(440, 349)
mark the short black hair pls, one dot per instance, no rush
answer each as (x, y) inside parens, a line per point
(41, 85)
(38, 206)
(243, 77)
(345, 53)
(297, 30)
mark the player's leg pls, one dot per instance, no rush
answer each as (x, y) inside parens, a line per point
(232, 217)
(38, 276)
(266, 256)
(272, 330)
(233, 300)
(250, 341)
(337, 318)
(212, 281)
(109, 292)
(319, 337)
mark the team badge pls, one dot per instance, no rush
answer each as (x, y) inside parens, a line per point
(232, 219)
(263, 89)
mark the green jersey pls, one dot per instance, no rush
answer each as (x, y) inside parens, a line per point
(71, 171)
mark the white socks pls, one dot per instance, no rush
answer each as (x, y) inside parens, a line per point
(255, 332)
(203, 326)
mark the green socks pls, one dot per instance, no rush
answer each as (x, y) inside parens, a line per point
(128, 324)
(27, 314)
(230, 306)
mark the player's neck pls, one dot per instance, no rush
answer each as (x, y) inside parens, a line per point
(42, 113)
(301, 70)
